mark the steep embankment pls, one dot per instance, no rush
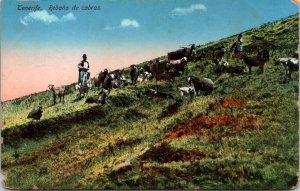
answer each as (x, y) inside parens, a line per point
(243, 135)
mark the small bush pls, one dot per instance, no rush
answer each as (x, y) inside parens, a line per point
(122, 100)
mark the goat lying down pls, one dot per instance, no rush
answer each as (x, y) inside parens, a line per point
(36, 113)
(100, 98)
(232, 70)
(166, 76)
(158, 94)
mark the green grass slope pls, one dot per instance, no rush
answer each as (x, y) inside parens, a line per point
(242, 136)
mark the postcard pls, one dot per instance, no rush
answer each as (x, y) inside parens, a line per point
(156, 94)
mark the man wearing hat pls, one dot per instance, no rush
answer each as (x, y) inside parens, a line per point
(83, 68)
(237, 47)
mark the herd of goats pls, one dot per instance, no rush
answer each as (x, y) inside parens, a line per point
(167, 70)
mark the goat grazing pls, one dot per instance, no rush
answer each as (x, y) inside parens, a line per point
(201, 84)
(259, 60)
(290, 64)
(186, 91)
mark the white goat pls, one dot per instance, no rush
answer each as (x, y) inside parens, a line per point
(186, 91)
(144, 76)
(290, 64)
(184, 59)
(147, 76)
(224, 63)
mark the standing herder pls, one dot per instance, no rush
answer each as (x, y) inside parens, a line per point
(194, 52)
(237, 47)
(134, 73)
(83, 68)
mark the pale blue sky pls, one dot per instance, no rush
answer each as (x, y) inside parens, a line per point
(156, 22)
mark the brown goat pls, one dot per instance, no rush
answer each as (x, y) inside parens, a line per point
(166, 76)
(218, 54)
(259, 60)
(134, 73)
(158, 67)
(232, 70)
(107, 84)
(100, 78)
(179, 54)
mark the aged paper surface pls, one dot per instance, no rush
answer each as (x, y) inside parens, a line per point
(149, 94)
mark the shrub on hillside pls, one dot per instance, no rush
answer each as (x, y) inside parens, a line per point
(122, 100)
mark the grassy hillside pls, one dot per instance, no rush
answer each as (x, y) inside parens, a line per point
(242, 136)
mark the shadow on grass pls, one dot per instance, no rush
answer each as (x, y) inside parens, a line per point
(53, 125)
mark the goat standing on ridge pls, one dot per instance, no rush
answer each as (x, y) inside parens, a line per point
(58, 92)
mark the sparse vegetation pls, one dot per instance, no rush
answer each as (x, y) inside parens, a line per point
(244, 135)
